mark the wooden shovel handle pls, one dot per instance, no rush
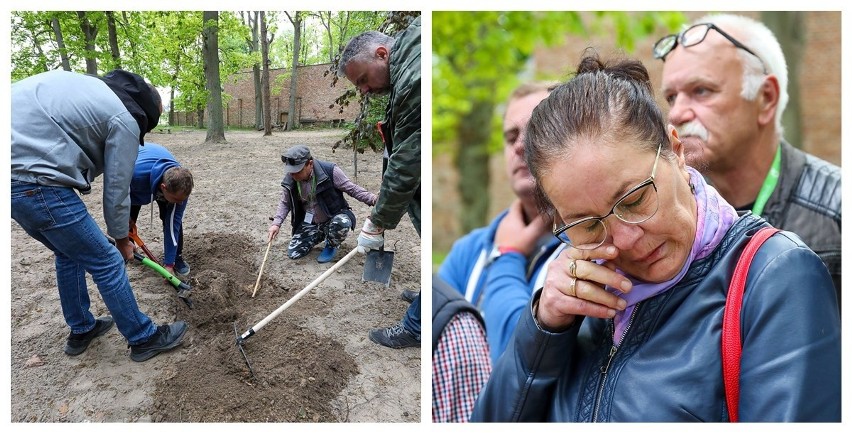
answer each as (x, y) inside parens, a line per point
(259, 274)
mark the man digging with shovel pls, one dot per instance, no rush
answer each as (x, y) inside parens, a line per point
(378, 64)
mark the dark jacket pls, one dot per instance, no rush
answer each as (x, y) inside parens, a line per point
(668, 366)
(807, 201)
(447, 302)
(401, 180)
(329, 198)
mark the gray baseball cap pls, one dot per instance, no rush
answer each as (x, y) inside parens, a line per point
(295, 158)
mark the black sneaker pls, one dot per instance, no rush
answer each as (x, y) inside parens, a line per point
(78, 343)
(409, 295)
(396, 337)
(166, 338)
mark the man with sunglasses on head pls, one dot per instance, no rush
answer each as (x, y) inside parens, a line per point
(313, 196)
(725, 82)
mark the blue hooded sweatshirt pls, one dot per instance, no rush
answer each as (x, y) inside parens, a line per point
(151, 163)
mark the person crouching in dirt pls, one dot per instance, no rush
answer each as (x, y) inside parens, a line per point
(313, 195)
(159, 177)
(68, 129)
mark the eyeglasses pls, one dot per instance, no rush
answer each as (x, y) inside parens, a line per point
(694, 36)
(636, 206)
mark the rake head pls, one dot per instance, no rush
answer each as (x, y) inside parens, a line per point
(240, 340)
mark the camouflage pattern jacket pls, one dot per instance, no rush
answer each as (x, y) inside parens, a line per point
(400, 190)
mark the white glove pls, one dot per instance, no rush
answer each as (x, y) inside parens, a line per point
(372, 237)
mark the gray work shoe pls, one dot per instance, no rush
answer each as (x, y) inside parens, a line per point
(78, 343)
(166, 338)
(395, 337)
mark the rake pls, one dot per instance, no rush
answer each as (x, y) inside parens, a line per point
(253, 330)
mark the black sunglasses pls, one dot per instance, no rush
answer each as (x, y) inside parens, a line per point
(292, 161)
(694, 36)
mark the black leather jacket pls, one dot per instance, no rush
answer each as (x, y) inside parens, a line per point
(668, 366)
(807, 201)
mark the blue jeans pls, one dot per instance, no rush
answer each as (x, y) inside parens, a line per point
(411, 320)
(56, 217)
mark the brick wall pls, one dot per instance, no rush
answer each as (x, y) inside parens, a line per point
(315, 95)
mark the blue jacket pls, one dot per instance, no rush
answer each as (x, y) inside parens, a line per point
(469, 269)
(668, 366)
(151, 163)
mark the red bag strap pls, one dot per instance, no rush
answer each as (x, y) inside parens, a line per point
(731, 340)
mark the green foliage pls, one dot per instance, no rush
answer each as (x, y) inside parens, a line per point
(480, 56)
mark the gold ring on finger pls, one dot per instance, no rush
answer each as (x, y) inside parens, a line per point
(572, 268)
(574, 287)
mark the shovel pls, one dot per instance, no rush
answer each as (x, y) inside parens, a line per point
(378, 266)
(134, 237)
(184, 290)
(242, 338)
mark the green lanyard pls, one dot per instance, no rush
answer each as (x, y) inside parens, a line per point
(768, 184)
(313, 190)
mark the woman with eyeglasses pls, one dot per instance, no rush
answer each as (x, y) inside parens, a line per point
(628, 324)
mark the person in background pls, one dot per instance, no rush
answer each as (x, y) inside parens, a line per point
(68, 129)
(628, 324)
(378, 64)
(725, 81)
(313, 196)
(158, 177)
(517, 244)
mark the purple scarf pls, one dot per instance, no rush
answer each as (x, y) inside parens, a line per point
(715, 217)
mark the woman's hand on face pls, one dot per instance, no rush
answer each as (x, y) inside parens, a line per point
(515, 233)
(574, 286)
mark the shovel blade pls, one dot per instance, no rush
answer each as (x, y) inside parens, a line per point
(378, 266)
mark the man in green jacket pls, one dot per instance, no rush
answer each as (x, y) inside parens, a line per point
(378, 64)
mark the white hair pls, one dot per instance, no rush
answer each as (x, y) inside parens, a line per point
(758, 38)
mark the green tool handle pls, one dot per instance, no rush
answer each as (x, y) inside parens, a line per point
(161, 270)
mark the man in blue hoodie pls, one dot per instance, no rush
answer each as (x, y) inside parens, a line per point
(159, 177)
(67, 130)
(518, 242)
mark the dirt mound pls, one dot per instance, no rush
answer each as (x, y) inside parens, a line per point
(297, 372)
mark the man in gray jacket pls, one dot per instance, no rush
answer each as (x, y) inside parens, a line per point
(68, 129)
(725, 80)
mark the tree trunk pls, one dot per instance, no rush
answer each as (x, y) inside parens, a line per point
(293, 118)
(264, 85)
(258, 92)
(171, 106)
(60, 43)
(472, 165)
(199, 118)
(90, 32)
(789, 28)
(113, 41)
(210, 53)
(325, 20)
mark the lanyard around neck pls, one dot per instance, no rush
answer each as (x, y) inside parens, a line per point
(313, 190)
(768, 184)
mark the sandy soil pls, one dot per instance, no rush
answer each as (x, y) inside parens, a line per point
(313, 363)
